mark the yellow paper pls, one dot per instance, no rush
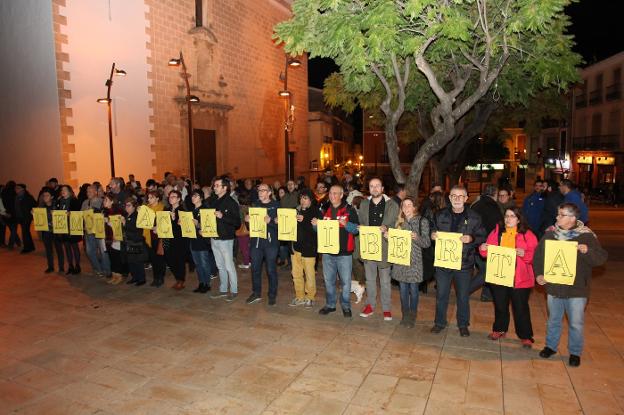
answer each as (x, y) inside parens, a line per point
(115, 223)
(145, 217)
(560, 262)
(257, 225)
(187, 225)
(59, 222)
(208, 223)
(163, 224)
(88, 220)
(328, 232)
(501, 265)
(287, 224)
(399, 246)
(75, 223)
(448, 250)
(40, 217)
(370, 243)
(98, 226)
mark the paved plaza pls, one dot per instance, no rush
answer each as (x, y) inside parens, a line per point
(80, 346)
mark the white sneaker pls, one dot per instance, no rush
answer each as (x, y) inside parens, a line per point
(244, 266)
(297, 302)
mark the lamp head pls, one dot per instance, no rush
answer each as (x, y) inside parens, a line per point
(284, 93)
(174, 62)
(193, 98)
(294, 62)
(120, 72)
(104, 100)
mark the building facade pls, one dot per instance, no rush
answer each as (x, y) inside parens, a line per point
(59, 54)
(597, 127)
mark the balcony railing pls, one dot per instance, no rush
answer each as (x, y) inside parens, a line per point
(595, 97)
(597, 142)
(580, 100)
(613, 92)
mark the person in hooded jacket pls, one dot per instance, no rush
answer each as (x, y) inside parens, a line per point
(304, 251)
(264, 250)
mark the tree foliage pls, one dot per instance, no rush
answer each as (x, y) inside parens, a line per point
(435, 59)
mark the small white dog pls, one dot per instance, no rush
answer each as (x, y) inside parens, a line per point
(357, 289)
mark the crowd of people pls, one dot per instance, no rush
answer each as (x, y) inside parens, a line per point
(552, 212)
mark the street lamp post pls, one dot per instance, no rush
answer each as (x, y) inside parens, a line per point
(189, 100)
(108, 101)
(290, 119)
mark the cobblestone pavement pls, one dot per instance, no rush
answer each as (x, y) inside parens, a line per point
(79, 346)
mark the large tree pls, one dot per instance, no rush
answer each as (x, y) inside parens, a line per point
(437, 59)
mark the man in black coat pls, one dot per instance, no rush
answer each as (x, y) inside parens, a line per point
(491, 215)
(460, 219)
(24, 203)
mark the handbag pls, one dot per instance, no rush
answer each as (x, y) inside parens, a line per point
(242, 230)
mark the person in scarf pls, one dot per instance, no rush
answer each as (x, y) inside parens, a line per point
(569, 299)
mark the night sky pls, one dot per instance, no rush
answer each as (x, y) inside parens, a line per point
(595, 24)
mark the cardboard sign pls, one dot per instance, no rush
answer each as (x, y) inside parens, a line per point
(59, 222)
(257, 225)
(187, 225)
(328, 232)
(370, 243)
(287, 224)
(448, 250)
(88, 220)
(98, 226)
(560, 262)
(115, 223)
(399, 246)
(145, 217)
(40, 217)
(76, 223)
(163, 224)
(500, 266)
(208, 223)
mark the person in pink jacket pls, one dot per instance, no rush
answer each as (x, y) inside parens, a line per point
(517, 235)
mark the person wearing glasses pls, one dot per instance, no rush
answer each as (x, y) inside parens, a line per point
(461, 219)
(264, 249)
(504, 200)
(227, 212)
(568, 299)
(514, 234)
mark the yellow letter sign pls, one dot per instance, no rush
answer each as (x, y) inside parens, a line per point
(163, 224)
(88, 220)
(98, 226)
(399, 246)
(501, 265)
(75, 223)
(287, 224)
(187, 225)
(208, 223)
(145, 217)
(448, 250)
(328, 232)
(370, 243)
(115, 223)
(40, 216)
(257, 225)
(560, 262)
(59, 222)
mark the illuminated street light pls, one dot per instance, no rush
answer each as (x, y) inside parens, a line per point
(108, 101)
(289, 157)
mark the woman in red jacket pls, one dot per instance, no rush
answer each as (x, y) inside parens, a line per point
(518, 236)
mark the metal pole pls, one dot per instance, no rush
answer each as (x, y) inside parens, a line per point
(190, 121)
(109, 104)
(481, 166)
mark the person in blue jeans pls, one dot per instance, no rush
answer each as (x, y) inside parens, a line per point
(460, 219)
(201, 251)
(568, 299)
(339, 264)
(264, 249)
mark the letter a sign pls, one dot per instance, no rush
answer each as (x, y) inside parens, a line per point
(370, 243)
(448, 250)
(560, 262)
